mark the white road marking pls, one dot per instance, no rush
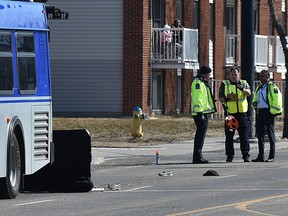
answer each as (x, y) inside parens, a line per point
(209, 190)
(283, 167)
(135, 189)
(228, 176)
(131, 149)
(32, 203)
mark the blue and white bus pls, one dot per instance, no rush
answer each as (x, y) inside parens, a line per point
(25, 94)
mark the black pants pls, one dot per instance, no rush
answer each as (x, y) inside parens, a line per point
(243, 130)
(265, 122)
(202, 125)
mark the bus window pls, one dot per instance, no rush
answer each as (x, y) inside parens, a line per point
(5, 42)
(6, 65)
(26, 63)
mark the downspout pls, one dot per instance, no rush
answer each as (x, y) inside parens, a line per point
(151, 54)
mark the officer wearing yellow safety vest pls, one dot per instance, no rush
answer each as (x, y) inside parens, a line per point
(267, 101)
(233, 93)
(202, 104)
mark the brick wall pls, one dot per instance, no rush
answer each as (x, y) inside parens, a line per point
(187, 77)
(170, 75)
(204, 28)
(170, 92)
(219, 43)
(136, 55)
(265, 21)
(264, 16)
(187, 13)
(136, 50)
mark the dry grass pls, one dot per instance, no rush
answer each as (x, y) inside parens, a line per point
(117, 132)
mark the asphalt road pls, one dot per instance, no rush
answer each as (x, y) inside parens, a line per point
(240, 189)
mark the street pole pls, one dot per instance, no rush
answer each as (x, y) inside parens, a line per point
(247, 53)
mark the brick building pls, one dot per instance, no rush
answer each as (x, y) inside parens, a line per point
(137, 67)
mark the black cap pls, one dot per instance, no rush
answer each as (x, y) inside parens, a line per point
(205, 69)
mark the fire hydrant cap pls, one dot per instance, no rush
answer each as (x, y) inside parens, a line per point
(136, 108)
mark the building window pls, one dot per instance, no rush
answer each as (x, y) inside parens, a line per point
(256, 17)
(195, 14)
(179, 12)
(6, 62)
(158, 13)
(284, 18)
(284, 21)
(230, 17)
(26, 62)
(157, 91)
(212, 19)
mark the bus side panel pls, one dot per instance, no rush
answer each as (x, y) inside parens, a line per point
(42, 64)
(41, 136)
(3, 145)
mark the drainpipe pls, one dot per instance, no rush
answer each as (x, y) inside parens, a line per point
(151, 50)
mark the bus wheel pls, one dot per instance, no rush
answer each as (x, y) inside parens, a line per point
(9, 185)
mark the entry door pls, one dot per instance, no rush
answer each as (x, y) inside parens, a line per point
(157, 92)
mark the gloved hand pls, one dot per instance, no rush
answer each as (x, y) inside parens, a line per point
(240, 86)
(227, 99)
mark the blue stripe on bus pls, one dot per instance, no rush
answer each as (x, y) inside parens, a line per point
(26, 101)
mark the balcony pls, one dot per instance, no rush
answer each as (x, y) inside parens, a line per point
(175, 48)
(268, 52)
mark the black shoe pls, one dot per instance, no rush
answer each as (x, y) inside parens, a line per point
(257, 160)
(229, 160)
(246, 159)
(201, 161)
(270, 160)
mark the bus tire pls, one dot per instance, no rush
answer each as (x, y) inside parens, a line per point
(9, 185)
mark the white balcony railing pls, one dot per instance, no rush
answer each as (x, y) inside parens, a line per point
(268, 51)
(174, 45)
(261, 50)
(280, 58)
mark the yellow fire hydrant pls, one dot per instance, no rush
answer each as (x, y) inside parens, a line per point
(138, 117)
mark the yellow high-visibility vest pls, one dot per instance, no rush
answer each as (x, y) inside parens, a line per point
(274, 97)
(239, 106)
(201, 98)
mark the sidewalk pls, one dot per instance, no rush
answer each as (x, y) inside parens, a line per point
(99, 155)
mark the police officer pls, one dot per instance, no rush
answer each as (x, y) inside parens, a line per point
(202, 103)
(233, 93)
(267, 101)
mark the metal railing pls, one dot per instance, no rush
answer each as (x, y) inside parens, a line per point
(174, 45)
(261, 50)
(268, 51)
(280, 59)
(181, 45)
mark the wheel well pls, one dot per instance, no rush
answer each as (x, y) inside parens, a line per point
(19, 134)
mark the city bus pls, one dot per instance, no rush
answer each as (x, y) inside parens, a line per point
(25, 94)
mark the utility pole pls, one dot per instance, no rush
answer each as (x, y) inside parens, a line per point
(247, 52)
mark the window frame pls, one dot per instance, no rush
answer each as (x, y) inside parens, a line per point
(230, 17)
(157, 92)
(8, 54)
(26, 54)
(158, 16)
